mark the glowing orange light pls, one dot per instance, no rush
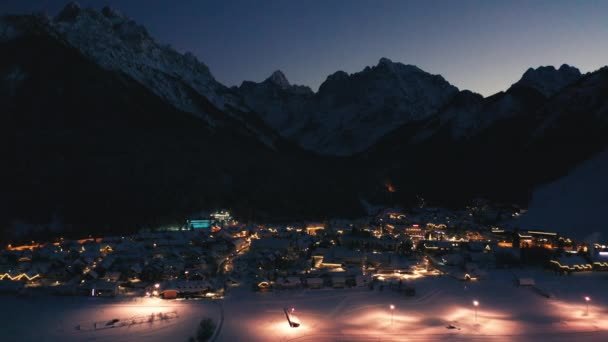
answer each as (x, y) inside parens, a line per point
(18, 277)
(24, 247)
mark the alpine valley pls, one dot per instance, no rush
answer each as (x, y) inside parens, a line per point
(108, 128)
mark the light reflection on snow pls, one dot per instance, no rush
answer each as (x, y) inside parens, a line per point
(576, 316)
(272, 325)
(504, 313)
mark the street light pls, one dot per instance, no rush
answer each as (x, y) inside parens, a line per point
(475, 304)
(392, 307)
(587, 300)
(293, 321)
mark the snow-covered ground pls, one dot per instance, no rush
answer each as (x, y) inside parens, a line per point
(57, 319)
(575, 205)
(505, 313)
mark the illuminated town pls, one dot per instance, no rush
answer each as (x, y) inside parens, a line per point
(427, 273)
(322, 171)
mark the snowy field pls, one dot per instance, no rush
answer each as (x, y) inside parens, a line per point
(140, 319)
(505, 313)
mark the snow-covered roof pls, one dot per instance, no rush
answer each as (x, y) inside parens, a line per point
(270, 243)
(572, 260)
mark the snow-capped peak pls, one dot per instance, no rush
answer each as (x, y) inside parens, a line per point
(350, 112)
(386, 64)
(110, 12)
(117, 42)
(278, 78)
(385, 61)
(336, 76)
(549, 80)
(70, 12)
(569, 69)
(396, 67)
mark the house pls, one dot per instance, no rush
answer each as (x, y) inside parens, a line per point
(185, 288)
(600, 259)
(336, 257)
(264, 285)
(99, 288)
(346, 256)
(270, 244)
(525, 282)
(201, 223)
(361, 281)
(91, 274)
(317, 256)
(107, 262)
(442, 246)
(239, 244)
(415, 231)
(314, 283)
(289, 282)
(56, 273)
(313, 228)
(112, 276)
(506, 256)
(571, 263)
(338, 281)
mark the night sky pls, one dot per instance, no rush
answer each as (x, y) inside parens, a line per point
(483, 46)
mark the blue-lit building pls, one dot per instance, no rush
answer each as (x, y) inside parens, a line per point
(200, 224)
(206, 221)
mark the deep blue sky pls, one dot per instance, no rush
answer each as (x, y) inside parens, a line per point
(483, 46)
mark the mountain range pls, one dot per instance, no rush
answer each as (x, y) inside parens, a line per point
(349, 113)
(108, 128)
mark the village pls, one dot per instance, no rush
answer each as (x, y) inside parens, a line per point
(430, 270)
(211, 254)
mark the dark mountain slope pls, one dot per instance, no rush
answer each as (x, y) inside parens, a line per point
(521, 139)
(97, 149)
